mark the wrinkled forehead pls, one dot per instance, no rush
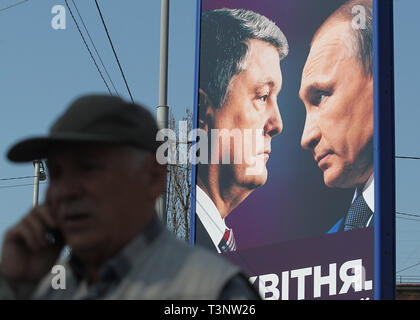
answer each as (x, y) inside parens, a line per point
(332, 44)
(261, 66)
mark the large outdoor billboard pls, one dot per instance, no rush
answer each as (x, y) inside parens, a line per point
(285, 179)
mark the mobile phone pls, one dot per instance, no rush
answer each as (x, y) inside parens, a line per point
(55, 237)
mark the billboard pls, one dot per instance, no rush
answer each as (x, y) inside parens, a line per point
(285, 159)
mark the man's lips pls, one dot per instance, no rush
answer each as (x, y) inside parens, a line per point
(322, 158)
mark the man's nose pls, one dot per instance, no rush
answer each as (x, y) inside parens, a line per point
(311, 133)
(274, 124)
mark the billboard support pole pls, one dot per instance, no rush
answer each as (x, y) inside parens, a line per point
(163, 109)
(384, 136)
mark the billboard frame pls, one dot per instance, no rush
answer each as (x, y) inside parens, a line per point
(195, 119)
(384, 146)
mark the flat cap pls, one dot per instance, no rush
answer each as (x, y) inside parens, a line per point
(93, 118)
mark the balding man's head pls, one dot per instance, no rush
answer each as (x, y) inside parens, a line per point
(359, 16)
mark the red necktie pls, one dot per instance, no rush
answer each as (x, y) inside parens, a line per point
(227, 244)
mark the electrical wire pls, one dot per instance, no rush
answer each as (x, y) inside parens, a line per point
(113, 49)
(404, 157)
(408, 219)
(87, 47)
(408, 214)
(412, 266)
(94, 47)
(16, 178)
(13, 5)
(412, 216)
(20, 185)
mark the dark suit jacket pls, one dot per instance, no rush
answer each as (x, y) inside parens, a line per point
(339, 226)
(201, 235)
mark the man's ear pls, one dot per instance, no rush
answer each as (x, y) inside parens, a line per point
(157, 177)
(205, 111)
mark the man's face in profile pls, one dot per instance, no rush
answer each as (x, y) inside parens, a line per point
(338, 97)
(251, 103)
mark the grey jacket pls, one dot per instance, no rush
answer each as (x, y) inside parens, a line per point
(154, 265)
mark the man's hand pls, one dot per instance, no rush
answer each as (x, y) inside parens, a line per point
(27, 255)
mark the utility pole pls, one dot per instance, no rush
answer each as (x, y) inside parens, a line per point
(39, 175)
(163, 109)
(36, 183)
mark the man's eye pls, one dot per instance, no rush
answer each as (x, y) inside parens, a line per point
(319, 98)
(263, 98)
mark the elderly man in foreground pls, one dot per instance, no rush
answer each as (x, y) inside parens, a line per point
(103, 183)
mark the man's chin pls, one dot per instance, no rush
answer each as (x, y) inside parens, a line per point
(337, 181)
(82, 242)
(255, 181)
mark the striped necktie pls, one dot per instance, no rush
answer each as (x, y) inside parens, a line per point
(227, 244)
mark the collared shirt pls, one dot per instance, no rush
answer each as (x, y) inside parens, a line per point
(154, 265)
(369, 195)
(210, 217)
(114, 271)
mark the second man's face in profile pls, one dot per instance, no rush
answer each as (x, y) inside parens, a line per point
(338, 97)
(251, 103)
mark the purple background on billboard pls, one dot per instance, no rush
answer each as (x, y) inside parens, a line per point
(320, 251)
(294, 203)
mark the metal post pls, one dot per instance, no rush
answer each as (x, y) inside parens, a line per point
(163, 109)
(163, 76)
(384, 143)
(36, 183)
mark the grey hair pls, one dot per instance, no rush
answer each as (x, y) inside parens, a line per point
(224, 48)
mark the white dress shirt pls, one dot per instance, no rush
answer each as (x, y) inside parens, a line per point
(369, 195)
(210, 217)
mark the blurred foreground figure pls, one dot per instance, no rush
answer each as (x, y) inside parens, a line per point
(103, 184)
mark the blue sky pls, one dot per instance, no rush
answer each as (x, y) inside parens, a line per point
(407, 113)
(43, 69)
